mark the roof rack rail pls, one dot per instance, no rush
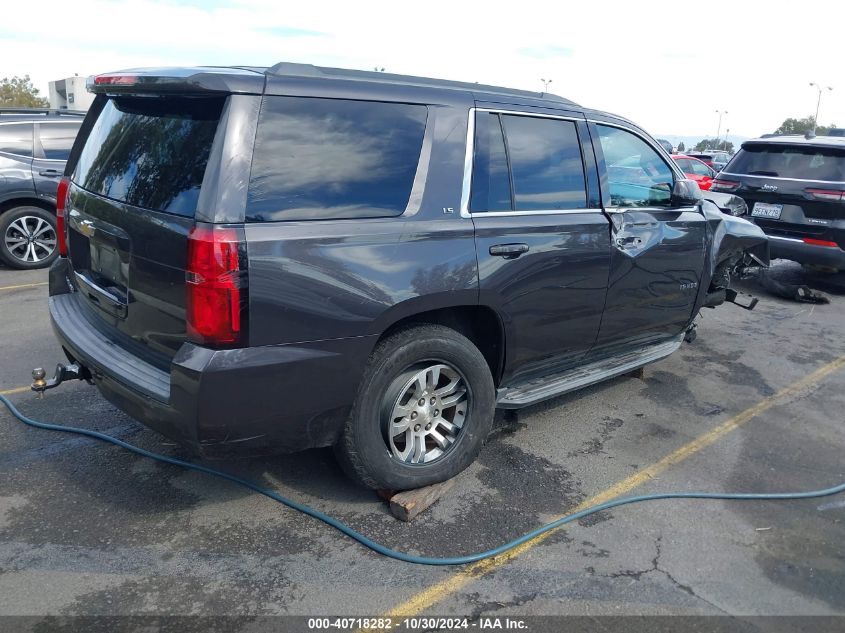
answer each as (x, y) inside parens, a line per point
(292, 69)
(44, 111)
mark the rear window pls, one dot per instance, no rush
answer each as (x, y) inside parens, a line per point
(16, 138)
(57, 139)
(784, 161)
(332, 158)
(150, 153)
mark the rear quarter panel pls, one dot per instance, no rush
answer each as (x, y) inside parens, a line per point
(323, 279)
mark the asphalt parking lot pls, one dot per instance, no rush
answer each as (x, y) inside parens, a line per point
(89, 529)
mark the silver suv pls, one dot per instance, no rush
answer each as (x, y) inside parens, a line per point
(34, 146)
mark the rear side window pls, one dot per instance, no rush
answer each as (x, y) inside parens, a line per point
(333, 158)
(150, 153)
(544, 156)
(16, 138)
(801, 162)
(57, 139)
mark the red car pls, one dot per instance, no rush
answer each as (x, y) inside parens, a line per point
(696, 170)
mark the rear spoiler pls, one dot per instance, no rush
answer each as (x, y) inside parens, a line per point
(200, 80)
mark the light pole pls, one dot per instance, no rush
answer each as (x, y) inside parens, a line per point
(727, 134)
(719, 129)
(546, 83)
(818, 103)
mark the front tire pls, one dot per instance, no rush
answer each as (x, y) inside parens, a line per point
(423, 411)
(28, 238)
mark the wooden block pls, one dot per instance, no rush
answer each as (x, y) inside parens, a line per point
(408, 504)
(638, 373)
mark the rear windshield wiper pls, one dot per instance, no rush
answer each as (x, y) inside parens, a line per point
(763, 173)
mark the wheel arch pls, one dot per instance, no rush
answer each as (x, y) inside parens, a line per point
(28, 201)
(481, 324)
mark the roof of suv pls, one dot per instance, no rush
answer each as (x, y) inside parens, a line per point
(243, 79)
(39, 114)
(799, 139)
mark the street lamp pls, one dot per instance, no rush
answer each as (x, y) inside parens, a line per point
(546, 83)
(818, 103)
(719, 129)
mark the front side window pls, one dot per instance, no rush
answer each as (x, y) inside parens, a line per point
(57, 139)
(16, 138)
(637, 175)
(331, 158)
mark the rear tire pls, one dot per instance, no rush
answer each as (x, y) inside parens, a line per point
(28, 238)
(423, 412)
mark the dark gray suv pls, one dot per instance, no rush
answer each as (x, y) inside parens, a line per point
(34, 145)
(276, 259)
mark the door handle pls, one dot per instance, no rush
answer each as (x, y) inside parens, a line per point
(508, 251)
(628, 242)
(51, 173)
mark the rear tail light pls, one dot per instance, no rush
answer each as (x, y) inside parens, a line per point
(724, 185)
(115, 80)
(815, 242)
(62, 197)
(216, 282)
(828, 195)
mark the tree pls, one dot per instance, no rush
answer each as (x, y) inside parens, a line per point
(18, 92)
(802, 126)
(681, 147)
(716, 144)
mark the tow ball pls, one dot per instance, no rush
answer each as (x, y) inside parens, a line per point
(63, 372)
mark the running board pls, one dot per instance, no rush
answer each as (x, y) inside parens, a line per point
(541, 389)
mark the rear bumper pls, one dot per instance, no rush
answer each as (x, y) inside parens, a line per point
(221, 402)
(796, 250)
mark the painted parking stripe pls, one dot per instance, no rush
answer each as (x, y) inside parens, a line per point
(40, 283)
(457, 581)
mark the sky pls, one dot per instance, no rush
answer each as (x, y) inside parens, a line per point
(669, 66)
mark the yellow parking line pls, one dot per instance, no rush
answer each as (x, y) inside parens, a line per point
(10, 392)
(444, 588)
(40, 283)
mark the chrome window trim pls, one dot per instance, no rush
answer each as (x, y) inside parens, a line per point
(829, 182)
(470, 151)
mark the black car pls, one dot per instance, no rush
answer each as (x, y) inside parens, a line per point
(795, 190)
(276, 259)
(34, 145)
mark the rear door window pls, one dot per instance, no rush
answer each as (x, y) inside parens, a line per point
(333, 158)
(16, 138)
(546, 165)
(57, 139)
(491, 183)
(150, 153)
(525, 163)
(779, 161)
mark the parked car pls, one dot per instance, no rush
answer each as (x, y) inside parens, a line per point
(696, 170)
(716, 160)
(666, 145)
(795, 188)
(283, 258)
(34, 145)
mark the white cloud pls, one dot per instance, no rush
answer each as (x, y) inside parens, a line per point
(666, 65)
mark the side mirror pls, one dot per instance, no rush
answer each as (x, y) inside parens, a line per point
(686, 193)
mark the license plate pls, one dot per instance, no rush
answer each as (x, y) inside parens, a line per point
(766, 210)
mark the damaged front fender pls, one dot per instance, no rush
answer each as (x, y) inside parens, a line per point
(735, 245)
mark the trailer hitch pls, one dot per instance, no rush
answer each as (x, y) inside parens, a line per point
(63, 372)
(731, 296)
